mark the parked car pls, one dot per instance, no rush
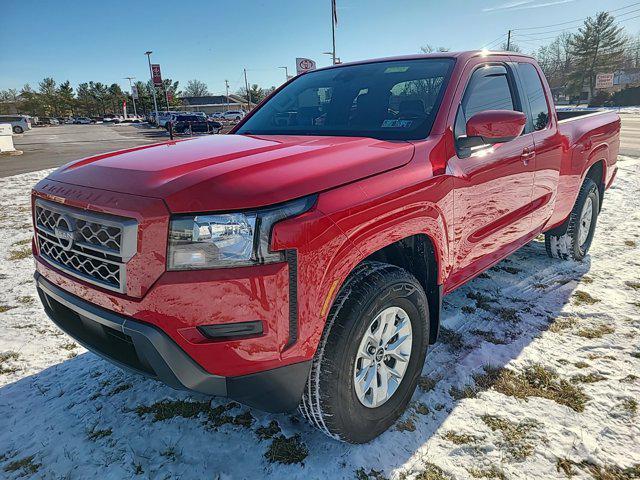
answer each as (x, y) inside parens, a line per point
(216, 115)
(82, 121)
(49, 121)
(164, 117)
(235, 115)
(194, 124)
(19, 123)
(302, 260)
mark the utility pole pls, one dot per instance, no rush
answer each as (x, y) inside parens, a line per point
(286, 73)
(246, 86)
(508, 40)
(334, 19)
(226, 84)
(135, 112)
(153, 87)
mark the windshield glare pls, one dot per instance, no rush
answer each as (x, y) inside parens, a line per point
(392, 100)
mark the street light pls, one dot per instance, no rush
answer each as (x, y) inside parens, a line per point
(135, 111)
(153, 87)
(334, 59)
(286, 72)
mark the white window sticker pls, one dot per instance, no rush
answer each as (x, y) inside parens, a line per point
(394, 123)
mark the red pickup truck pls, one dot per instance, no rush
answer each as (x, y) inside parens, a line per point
(301, 260)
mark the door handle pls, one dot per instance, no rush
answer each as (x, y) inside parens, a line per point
(528, 154)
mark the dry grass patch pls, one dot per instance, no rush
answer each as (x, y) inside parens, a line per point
(632, 284)
(460, 438)
(630, 406)
(588, 378)
(287, 450)
(269, 431)
(581, 365)
(483, 302)
(630, 243)
(586, 279)
(406, 425)
(362, 474)
(493, 472)
(5, 358)
(461, 393)
(598, 331)
(598, 472)
(583, 298)
(426, 384)
(20, 254)
(432, 472)
(6, 308)
(94, 434)
(516, 436)
(451, 338)
(26, 466)
(535, 381)
(489, 337)
(629, 378)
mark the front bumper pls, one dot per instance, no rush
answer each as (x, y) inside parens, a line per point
(146, 349)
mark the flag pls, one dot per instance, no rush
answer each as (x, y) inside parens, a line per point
(334, 9)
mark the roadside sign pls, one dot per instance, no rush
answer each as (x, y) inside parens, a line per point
(604, 80)
(304, 65)
(155, 75)
(134, 92)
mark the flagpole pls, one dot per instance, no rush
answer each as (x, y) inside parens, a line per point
(333, 30)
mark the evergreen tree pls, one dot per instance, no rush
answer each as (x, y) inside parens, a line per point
(196, 88)
(598, 47)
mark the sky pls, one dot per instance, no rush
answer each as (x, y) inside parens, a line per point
(214, 40)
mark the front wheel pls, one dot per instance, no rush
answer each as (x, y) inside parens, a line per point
(575, 242)
(370, 355)
(18, 129)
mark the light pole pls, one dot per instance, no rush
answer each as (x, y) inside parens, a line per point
(286, 73)
(153, 87)
(135, 112)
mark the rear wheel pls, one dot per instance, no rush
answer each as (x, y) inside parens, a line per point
(581, 225)
(18, 129)
(370, 356)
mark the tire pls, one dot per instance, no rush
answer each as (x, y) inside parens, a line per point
(575, 242)
(18, 129)
(330, 401)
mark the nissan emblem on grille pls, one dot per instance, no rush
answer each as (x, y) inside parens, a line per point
(65, 232)
(92, 246)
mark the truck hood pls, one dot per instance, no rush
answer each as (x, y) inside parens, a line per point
(231, 172)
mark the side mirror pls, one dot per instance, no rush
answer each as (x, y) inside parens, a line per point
(494, 126)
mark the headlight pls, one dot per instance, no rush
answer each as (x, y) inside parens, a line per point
(228, 239)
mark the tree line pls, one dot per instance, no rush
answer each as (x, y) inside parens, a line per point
(91, 99)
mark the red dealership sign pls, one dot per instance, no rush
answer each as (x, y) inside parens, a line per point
(155, 75)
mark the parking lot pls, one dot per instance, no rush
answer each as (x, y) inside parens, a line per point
(49, 147)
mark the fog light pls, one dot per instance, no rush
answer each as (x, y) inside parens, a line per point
(232, 330)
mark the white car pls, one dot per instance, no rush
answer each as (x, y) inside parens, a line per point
(236, 115)
(82, 121)
(19, 123)
(164, 117)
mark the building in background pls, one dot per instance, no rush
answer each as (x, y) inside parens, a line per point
(213, 103)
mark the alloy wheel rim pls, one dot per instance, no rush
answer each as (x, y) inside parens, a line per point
(383, 357)
(585, 222)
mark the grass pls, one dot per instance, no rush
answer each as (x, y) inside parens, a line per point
(406, 426)
(588, 378)
(630, 243)
(20, 243)
(422, 409)
(492, 472)
(451, 338)
(489, 337)
(167, 409)
(6, 357)
(460, 438)
(6, 308)
(468, 309)
(362, 474)
(94, 435)
(483, 302)
(26, 300)
(598, 472)
(629, 378)
(535, 381)
(269, 431)
(583, 298)
(432, 472)
(595, 332)
(516, 436)
(120, 388)
(25, 465)
(69, 346)
(586, 279)
(20, 254)
(426, 384)
(286, 450)
(635, 354)
(581, 365)
(630, 405)
(461, 393)
(632, 284)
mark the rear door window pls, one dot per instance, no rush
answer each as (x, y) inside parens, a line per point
(534, 92)
(489, 89)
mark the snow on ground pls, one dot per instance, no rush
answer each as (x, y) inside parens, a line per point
(568, 332)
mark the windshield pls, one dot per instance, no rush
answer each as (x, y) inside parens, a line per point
(392, 100)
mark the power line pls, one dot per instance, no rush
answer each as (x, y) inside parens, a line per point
(577, 20)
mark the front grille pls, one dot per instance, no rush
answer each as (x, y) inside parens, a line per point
(89, 245)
